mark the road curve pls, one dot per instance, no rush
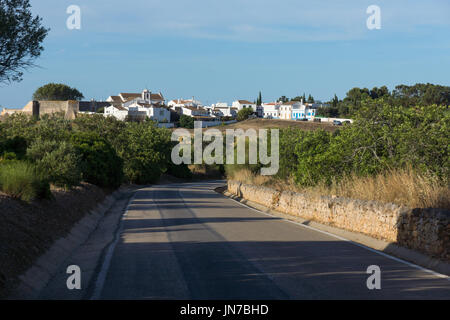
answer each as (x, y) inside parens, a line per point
(185, 241)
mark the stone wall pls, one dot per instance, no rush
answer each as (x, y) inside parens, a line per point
(425, 230)
(39, 108)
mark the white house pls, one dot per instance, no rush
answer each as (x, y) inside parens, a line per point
(304, 111)
(271, 110)
(144, 96)
(241, 104)
(286, 109)
(222, 111)
(138, 106)
(154, 112)
(117, 112)
(193, 111)
(184, 103)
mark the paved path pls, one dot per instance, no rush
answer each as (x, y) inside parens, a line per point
(185, 241)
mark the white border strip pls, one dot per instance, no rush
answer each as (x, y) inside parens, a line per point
(439, 275)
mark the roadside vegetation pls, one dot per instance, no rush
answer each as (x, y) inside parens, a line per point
(391, 153)
(38, 153)
(244, 114)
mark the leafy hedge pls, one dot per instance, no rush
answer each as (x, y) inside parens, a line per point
(60, 162)
(100, 164)
(145, 150)
(382, 137)
(94, 149)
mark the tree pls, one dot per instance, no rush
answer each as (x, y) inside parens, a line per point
(100, 164)
(244, 113)
(335, 101)
(259, 100)
(421, 94)
(21, 37)
(283, 99)
(186, 122)
(57, 91)
(310, 99)
(297, 98)
(146, 152)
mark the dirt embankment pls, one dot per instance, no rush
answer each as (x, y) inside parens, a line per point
(280, 124)
(27, 230)
(275, 124)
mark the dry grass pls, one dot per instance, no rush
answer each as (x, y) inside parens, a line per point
(401, 186)
(202, 171)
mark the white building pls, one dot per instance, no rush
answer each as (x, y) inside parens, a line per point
(154, 112)
(271, 110)
(304, 111)
(178, 103)
(194, 111)
(117, 112)
(227, 111)
(287, 107)
(241, 104)
(145, 96)
(138, 106)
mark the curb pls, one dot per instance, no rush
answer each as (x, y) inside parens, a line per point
(390, 248)
(36, 278)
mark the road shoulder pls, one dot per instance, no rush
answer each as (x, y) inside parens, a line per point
(391, 250)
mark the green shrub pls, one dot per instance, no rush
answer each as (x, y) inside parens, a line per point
(21, 180)
(6, 156)
(180, 171)
(16, 145)
(186, 122)
(289, 138)
(59, 162)
(244, 113)
(108, 128)
(100, 163)
(145, 150)
(383, 137)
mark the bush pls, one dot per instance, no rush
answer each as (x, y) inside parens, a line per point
(180, 171)
(59, 162)
(145, 150)
(186, 122)
(108, 128)
(244, 113)
(314, 163)
(289, 138)
(100, 163)
(13, 148)
(21, 180)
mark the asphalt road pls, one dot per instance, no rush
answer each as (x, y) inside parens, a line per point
(185, 241)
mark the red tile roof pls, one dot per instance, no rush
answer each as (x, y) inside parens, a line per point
(245, 102)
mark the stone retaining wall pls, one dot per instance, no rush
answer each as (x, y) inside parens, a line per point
(425, 230)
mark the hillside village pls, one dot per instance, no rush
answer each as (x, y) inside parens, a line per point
(154, 106)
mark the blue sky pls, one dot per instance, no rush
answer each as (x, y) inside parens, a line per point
(227, 50)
